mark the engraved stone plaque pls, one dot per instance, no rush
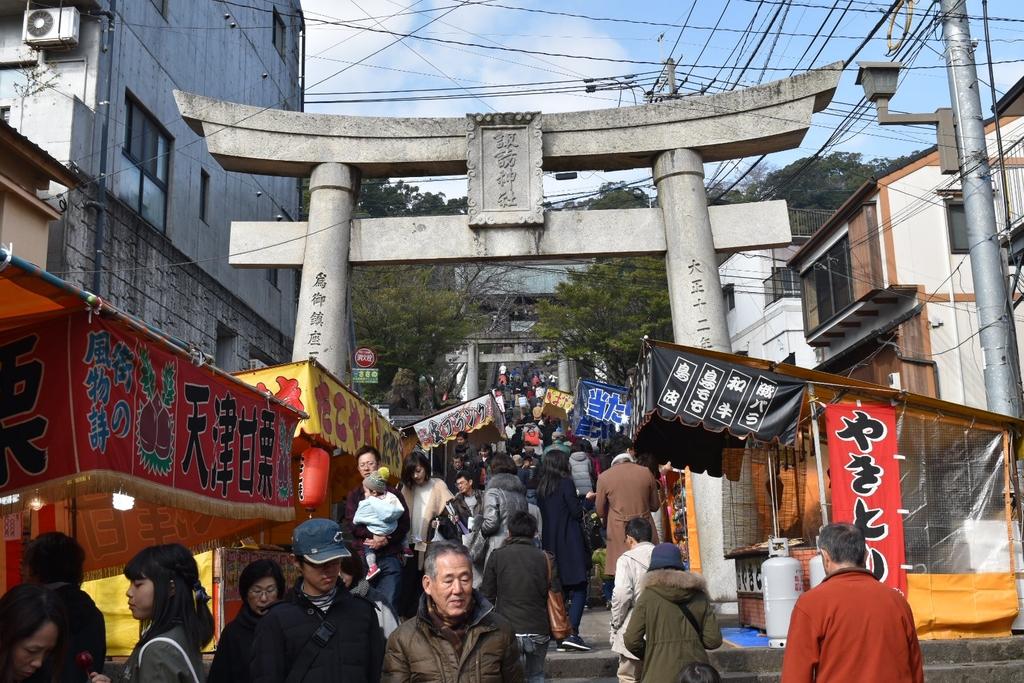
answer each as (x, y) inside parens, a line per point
(505, 169)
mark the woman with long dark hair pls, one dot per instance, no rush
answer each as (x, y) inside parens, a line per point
(562, 535)
(260, 585)
(33, 630)
(170, 603)
(425, 497)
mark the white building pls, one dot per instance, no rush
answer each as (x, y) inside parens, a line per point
(887, 289)
(762, 295)
(165, 248)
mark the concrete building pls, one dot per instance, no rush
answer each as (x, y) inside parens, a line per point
(163, 253)
(886, 282)
(762, 296)
(26, 169)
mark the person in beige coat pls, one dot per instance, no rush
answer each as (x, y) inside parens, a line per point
(626, 490)
(629, 574)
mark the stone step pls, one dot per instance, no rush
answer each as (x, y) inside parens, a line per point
(977, 672)
(946, 660)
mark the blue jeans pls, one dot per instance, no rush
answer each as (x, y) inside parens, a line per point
(389, 581)
(576, 596)
(532, 652)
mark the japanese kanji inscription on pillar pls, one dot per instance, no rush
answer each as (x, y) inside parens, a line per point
(505, 169)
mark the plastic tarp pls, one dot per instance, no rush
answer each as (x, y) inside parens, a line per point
(122, 628)
(957, 528)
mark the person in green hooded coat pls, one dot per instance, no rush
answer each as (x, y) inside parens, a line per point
(673, 622)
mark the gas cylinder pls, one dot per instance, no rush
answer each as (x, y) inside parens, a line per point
(783, 583)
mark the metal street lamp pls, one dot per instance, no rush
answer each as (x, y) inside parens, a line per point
(879, 80)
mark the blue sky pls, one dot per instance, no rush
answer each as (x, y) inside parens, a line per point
(624, 55)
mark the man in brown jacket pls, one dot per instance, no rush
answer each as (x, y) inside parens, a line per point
(626, 490)
(455, 630)
(851, 627)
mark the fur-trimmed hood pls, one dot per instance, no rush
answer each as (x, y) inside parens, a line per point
(674, 585)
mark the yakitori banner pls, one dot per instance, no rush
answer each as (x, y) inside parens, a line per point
(89, 404)
(864, 469)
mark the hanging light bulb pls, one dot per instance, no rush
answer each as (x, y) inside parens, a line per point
(35, 503)
(122, 501)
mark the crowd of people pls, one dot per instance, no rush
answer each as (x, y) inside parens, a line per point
(431, 581)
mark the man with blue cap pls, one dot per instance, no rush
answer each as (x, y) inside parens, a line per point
(320, 632)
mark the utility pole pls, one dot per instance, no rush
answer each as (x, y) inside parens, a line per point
(995, 318)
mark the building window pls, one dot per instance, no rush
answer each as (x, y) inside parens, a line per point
(729, 294)
(5, 114)
(956, 221)
(782, 283)
(278, 36)
(827, 285)
(227, 347)
(272, 276)
(148, 149)
(204, 194)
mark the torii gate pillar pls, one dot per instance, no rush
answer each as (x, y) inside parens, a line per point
(321, 325)
(698, 319)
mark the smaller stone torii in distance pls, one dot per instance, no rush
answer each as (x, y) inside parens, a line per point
(504, 156)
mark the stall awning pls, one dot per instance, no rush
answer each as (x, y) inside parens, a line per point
(95, 402)
(687, 402)
(338, 417)
(480, 418)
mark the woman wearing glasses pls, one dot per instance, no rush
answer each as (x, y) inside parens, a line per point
(261, 584)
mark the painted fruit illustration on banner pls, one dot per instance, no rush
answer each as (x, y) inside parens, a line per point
(156, 423)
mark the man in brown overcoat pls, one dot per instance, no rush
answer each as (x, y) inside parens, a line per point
(624, 491)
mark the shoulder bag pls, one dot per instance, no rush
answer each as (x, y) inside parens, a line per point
(177, 646)
(557, 618)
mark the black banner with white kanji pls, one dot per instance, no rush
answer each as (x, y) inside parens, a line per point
(693, 390)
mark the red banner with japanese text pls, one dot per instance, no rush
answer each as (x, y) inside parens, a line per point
(91, 405)
(864, 470)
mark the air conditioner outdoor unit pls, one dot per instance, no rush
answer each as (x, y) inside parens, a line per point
(51, 27)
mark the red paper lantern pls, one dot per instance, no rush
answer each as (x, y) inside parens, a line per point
(314, 474)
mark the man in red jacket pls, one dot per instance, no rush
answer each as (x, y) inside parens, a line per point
(851, 627)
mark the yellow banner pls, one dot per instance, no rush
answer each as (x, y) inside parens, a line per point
(558, 404)
(122, 628)
(338, 418)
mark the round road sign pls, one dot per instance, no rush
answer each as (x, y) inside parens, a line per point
(365, 357)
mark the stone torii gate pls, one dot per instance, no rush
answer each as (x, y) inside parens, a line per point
(504, 156)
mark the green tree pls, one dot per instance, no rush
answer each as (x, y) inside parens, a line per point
(598, 316)
(813, 182)
(380, 198)
(412, 316)
(612, 195)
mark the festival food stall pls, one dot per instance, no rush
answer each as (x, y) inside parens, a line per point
(122, 437)
(927, 481)
(557, 404)
(481, 418)
(339, 422)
